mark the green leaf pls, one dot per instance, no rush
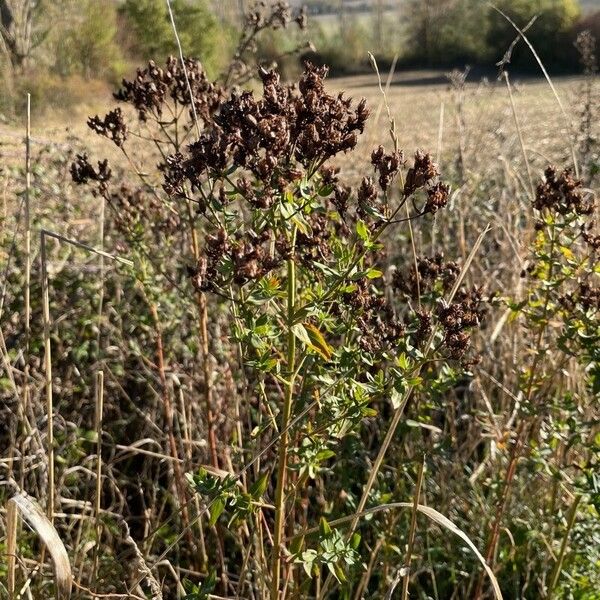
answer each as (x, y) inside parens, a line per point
(300, 332)
(396, 397)
(362, 230)
(339, 573)
(296, 545)
(324, 454)
(258, 487)
(324, 527)
(216, 510)
(318, 342)
(373, 274)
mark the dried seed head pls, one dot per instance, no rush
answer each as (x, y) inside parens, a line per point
(420, 174)
(437, 197)
(387, 165)
(112, 126)
(561, 193)
(83, 172)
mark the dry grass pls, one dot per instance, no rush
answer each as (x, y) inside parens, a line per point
(474, 126)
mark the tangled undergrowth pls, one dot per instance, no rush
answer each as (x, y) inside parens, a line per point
(299, 390)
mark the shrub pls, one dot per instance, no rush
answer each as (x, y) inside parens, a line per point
(342, 51)
(447, 32)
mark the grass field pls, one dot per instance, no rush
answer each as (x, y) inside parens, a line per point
(415, 99)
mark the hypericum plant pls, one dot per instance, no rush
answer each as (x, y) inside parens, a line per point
(560, 315)
(296, 255)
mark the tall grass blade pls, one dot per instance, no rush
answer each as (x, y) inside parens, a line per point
(21, 505)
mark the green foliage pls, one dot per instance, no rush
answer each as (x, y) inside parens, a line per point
(550, 35)
(201, 35)
(448, 31)
(346, 50)
(203, 591)
(88, 47)
(334, 551)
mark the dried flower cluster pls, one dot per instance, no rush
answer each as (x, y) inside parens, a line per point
(423, 171)
(234, 260)
(562, 193)
(387, 165)
(591, 238)
(271, 138)
(380, 330)
(458, 319)
(135, 209)
(83, 172)
(154, 86)
(431, 270)
(260, 16)
(112, 126)
(276, 15)
(589, 296)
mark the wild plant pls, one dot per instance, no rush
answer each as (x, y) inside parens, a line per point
(273, 237)
(558, 389)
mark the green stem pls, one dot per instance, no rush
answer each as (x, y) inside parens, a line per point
(286, 414)
(558, 566)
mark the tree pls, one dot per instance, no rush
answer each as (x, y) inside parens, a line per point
(17, 29)
(197, 27)
(447, 31)
(550, 35)
(88, 45)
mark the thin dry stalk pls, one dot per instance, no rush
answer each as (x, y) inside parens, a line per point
(48, 375)
(21, 505)
(438, 156)
(201, 299)
(77, 244)
(168, 416)
(413, 528)
(44, 233)
(99, 401)
(27, 255)
(543, 68)
(188, 465)
(520, 134)
(382, 101)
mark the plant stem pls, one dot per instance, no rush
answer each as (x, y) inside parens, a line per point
(563, 547)
(48, 376)
(286, 414)
(517, 448)
(413, 528)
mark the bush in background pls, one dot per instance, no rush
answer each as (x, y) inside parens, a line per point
(201, 34)
(448, 32)
(551, 34)
(443, 32)
(88, 48)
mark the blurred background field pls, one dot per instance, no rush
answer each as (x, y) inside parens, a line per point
(68, 52)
